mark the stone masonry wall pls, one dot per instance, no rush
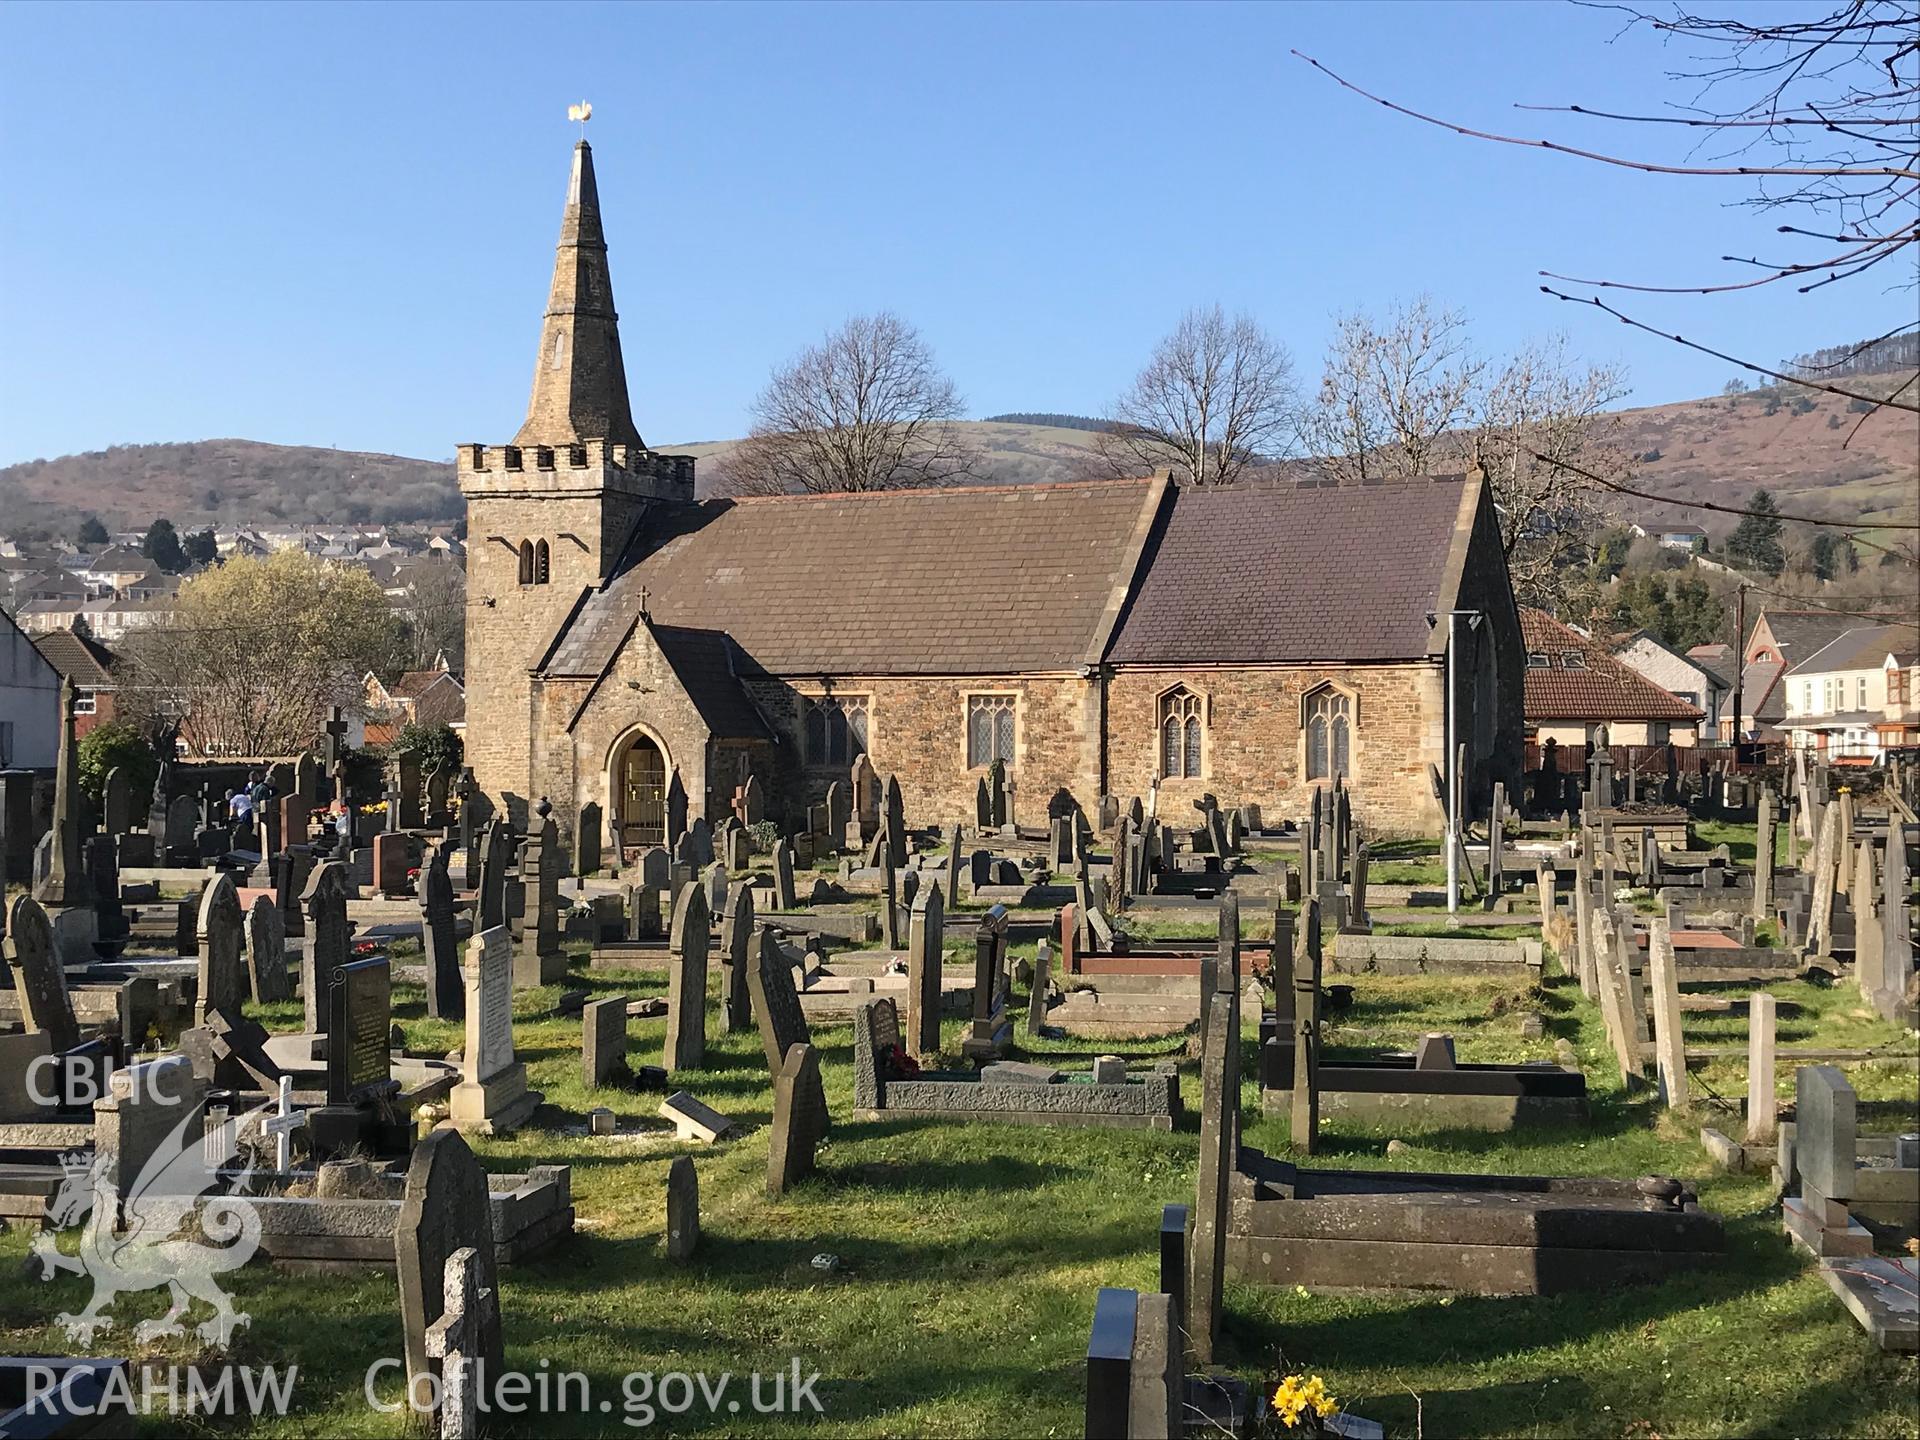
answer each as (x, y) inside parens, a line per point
(917, 732)
(1254, 751)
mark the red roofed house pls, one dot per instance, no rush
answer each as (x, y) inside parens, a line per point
(1575, 689)
(89, 665)
(1101, 638)
(428, 698)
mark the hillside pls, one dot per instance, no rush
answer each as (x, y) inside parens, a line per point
(1723, 448)
(224, 481)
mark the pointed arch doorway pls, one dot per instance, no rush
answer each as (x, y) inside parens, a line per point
(640, 791)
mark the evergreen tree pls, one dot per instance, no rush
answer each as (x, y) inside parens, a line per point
(162, 546)
(200, 547)
(92, 532)
(1755, 542)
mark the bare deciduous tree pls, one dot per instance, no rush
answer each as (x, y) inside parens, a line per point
(866, 409)
(1391, 392)
(1216, 398)
(1406, 395)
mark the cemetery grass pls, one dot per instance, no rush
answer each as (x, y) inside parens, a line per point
(970, 1256)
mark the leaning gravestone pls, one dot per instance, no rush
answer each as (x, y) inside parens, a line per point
(799, 1119)
(686, 1047)
(445, 1209)
(776, 1004)
(38, 976)
(784, 895)
(446, 992)
(222, 936)
(267, 951)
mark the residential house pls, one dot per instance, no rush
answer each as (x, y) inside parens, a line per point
(29, 703)
(1579, 694)
(1687, 677)
(82, 659)
(1855, 697)
(1674, 537)
(428, 697)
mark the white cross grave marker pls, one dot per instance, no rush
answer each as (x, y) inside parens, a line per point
(282, 1126)
(454, 1336)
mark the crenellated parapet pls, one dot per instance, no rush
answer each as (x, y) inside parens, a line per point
(592, 465)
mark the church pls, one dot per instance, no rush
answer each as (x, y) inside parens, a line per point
(1103, 637)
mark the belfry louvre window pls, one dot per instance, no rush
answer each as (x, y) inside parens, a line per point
(836, 728)
(1180, 735)
(1329, 734)
(989, 729)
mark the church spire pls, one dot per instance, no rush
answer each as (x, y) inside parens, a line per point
(579, 381)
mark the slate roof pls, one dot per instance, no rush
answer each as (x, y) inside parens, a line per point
(79, 658)
(1800, 633)
(962, 581)
(1286, 572)
(1864, 647)
(1716, 659)
(705, 662)
(1598, 687)
(1761, 693)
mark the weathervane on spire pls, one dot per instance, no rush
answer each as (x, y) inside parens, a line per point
(582, 112)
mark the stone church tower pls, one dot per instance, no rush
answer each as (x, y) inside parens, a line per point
(549, 515)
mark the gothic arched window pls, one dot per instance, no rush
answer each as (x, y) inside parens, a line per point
(1329, 726)
(1181, 734)
(541, 563)
(526, 562)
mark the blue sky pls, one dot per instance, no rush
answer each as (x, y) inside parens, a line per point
(333, 224)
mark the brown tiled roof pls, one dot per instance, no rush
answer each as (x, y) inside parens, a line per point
(79, 658)
(1281, 573)
(965, 581)
(704, 661)
(1596, 687)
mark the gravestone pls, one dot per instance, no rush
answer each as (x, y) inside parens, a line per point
(896, 823)
(446, 993)
(736, 958)
(1670, 1048)
(490, 888)
(699, 843)
(586, 839)
(776, 1003)
(116, 802)
(951, 866)
(676, 808)
(102, 864)
(1220, 1100)
(455, 1340)
(784, 895)
(716, 893)
(183, 819)
(445, 1210)
(643, 912)
(222, 940)
(926, 939)
(540, 960)
(656, 867)
(866, 795)
(839, 814)
(991, 1030)
(267, 951)
(799, 1119)
(1762, 1107)
(492, 1096)
(1038, 993)
(392, 854)
(65, 883)
(683, 1208)
(329, 938)
(603, 1042)
(1304, 1133)
(39, 979)
(686, 1043)
(359, 1031)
